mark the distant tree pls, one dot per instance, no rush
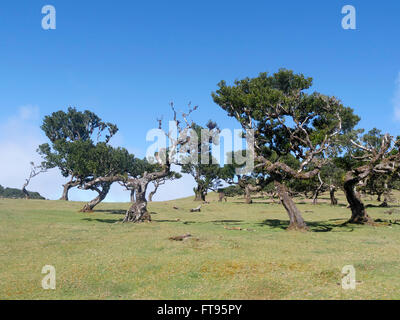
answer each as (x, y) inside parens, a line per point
(330, 178)
(35, 171)
(64, 128)
(249, 182)
(159, 182)
(381, 185)
(205, 170)
(333, 176)
(230, 191)
(286, 120)
(373, 154)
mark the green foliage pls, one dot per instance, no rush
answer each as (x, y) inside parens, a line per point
(71, 131)
(75, 125)
(89, 161)
(286, 118)
(138, 167)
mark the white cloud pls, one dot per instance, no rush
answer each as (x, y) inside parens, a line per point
(29, 113)
(396, 99)
(20, 136)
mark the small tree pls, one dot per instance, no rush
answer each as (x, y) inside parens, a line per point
(285, 119)
(205, 170)
(35, 171)
(159, 182)
(248, 182)
(372, 159)
(230, 191)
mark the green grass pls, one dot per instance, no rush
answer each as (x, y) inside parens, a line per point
(96, 258)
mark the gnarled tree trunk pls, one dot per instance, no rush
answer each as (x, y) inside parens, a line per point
(69, 185)
(105, 188)
(296, 220)
(138, 210)
(157, 184)
(248, 189)
(385, 196)
(247, 194)
(64, 195)
(332, 190)
(151, 195)
(318, 190)
(221, 196)
(358, 213)
(26, 193)
(200, 194)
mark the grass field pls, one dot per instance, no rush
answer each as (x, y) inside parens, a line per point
(96, 258)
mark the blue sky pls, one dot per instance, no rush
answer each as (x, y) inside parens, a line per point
(126, 60)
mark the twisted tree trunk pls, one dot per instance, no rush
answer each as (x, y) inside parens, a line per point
(105, 188)
(386, 193)
(318, 190)
(151, 195)
(296, 220)
(35, 170)
(138, 210)
(64, 196)
(247, 195)
(332, 190)
(358, 213)
(69, 185)
(200, 194)
(248, 189)
(26, 193)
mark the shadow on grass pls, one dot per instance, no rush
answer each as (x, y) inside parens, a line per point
(254, 203)
(111, 211)
(226, 221)
(216, 222)
(370, 205)
(103, 220)
(315, 226)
